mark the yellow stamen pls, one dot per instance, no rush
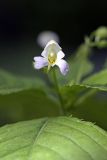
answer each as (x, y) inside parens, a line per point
(52, 57)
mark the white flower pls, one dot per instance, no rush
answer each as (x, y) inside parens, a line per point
(52, 55)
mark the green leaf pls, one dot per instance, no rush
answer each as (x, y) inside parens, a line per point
(61, 138)
(98, 38)
(93, 109)
(75, 95)
(10, 84)
(27, 104)
(98, 80)
(18, 93)
(79, 66)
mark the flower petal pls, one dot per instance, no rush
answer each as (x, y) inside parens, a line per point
(63, 66)
(40, 62)
(44, 53)
(60, 55)
(51, 46)
(52, 42)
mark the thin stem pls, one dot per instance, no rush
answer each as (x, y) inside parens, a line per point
(62, 110)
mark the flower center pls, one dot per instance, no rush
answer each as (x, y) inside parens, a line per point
(52, 57)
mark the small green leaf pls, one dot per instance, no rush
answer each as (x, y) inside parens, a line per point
(98, 80)
(75, 95)
(98, 38)
(61, 138)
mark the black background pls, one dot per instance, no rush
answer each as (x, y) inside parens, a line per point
(71, 19)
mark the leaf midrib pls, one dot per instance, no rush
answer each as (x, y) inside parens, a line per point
(36, 136)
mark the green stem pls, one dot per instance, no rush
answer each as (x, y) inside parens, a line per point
(62, 110)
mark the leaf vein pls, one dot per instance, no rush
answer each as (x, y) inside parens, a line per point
(71, 141)
(37, 136)
(10, 153)
(82, 133)
(45, 146)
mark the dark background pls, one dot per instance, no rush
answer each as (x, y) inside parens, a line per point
(22, 20)
(71, 19)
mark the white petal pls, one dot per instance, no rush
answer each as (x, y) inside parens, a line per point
(63, 66)
(44, 53)
(60, 55)
(40, 62)
(52, 42)
(51, 46)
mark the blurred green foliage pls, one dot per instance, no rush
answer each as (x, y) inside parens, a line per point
(26, 97)
(98, 38)
(82, 93)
